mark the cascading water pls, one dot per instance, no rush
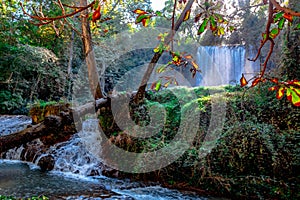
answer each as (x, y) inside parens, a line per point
(76, 173)
(224, 65)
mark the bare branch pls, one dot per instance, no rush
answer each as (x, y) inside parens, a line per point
(58, 17)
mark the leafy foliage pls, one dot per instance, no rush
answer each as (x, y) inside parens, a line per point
(29, 73)
(2, 197)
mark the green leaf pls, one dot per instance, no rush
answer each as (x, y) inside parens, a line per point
(274, 32)
(203, 26)
(264, 35)
(220, 18)
(158, 85)
(213, 25)
(158, 13)
(161, 69)
(141, 17)
(278, 16)
(281, 23)
(231, 28)
(298, 26)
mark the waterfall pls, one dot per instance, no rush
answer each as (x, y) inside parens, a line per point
(224, 65)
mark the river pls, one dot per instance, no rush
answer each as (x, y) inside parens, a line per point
(23, 179)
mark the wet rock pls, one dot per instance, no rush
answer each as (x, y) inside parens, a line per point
(46, 163)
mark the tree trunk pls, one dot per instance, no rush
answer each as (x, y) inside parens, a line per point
(142, 88)
(89, 54)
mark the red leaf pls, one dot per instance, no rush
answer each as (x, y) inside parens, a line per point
(274, 80)
(280, 92)
(273, 88)
(255, 82)
(96, 15)
(153, 85)
(198, 16)
(243, 81)
(288, 17)
(294, 82)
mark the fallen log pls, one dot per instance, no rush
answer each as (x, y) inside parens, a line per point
(22, 137)
(51, 125)
(58, 121)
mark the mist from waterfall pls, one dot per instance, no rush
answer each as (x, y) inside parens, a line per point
(224, 65)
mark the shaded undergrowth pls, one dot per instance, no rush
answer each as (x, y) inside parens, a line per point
(255, 153)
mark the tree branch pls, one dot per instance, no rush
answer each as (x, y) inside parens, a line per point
(58, 17)
(286, 10)
(142, 88)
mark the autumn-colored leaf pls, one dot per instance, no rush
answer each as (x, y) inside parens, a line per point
(195, 65)
(274, 80)
(255, 82)
(220, 18)
(141, 17)
(243, 81)
(139, 12)
(176, 60)
(288, 17)
(280, 92)
(182, 1)
(203, 26)
(187, 15)
(167, 84)
(213, 25)
(294, 82)
(221, 31)
(293, 95)
(273, 88)
(198, 16)
(96, 15)
(188, 57)
(274, 32)
(193, 73)
(146, 21)
(161, 69)
(264, 35)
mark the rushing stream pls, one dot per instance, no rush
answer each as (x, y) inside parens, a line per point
(71, 177)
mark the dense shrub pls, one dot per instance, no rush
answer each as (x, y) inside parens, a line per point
(28, 73)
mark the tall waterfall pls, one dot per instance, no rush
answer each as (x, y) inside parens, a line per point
(224, 65)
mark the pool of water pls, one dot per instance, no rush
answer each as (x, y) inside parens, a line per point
(21, 180)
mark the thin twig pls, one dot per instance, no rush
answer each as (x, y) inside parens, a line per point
(58, 17)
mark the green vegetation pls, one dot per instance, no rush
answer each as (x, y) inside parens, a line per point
(256, 151)
(256, 154)
(30, 198)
